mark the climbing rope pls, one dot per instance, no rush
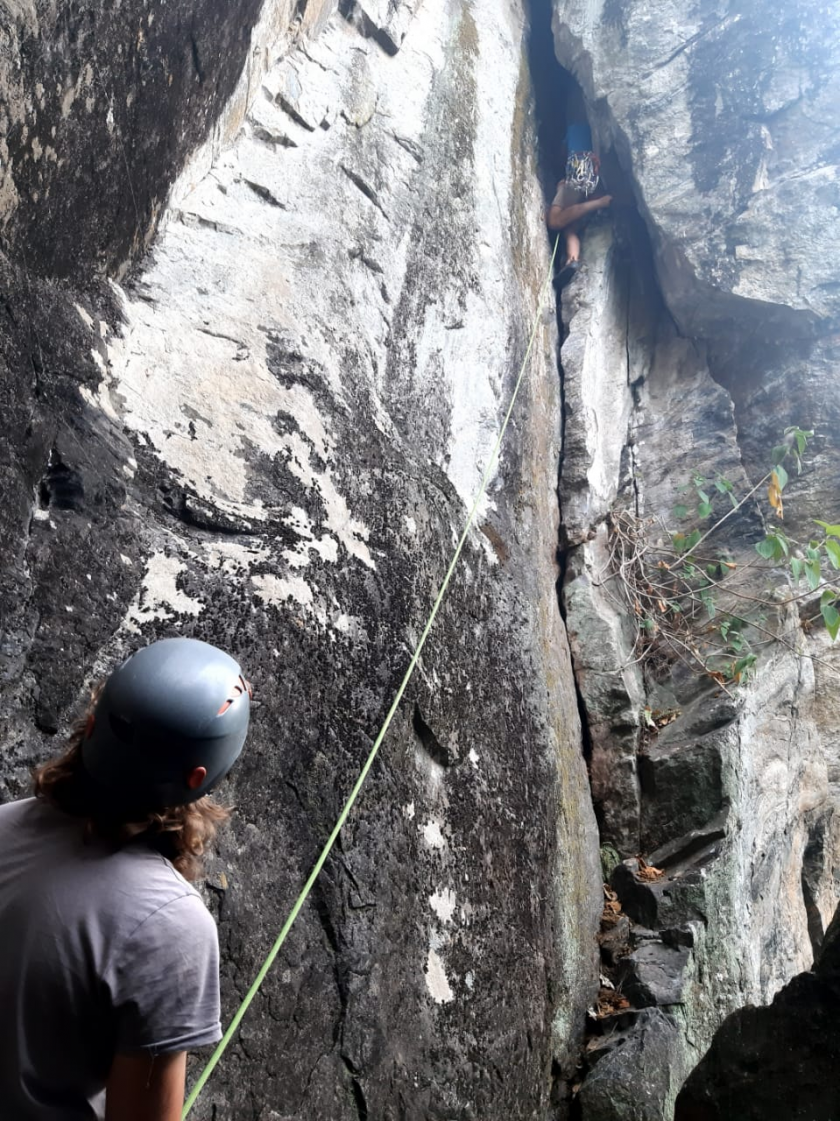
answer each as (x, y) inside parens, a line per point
(354, 793)
(582, 171)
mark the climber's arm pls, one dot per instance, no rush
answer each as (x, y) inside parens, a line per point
(561, 216)
(142, 1088)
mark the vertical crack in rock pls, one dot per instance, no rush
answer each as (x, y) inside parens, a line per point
(280, 420)
(431, 744)
(552, 87)
(356, 1088)
(717, 353)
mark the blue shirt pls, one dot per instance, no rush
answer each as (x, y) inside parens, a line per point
(578, 138)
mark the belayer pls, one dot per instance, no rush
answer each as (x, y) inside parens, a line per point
(577, 194)
(109, 971)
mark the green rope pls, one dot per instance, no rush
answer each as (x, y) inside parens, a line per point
(301, 899)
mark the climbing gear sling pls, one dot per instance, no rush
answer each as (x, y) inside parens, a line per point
(582, 171)
(342, 817)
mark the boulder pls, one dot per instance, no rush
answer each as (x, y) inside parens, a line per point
(778, 1061)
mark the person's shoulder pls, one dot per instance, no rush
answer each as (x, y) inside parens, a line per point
(182, 920)
(31, 812)
(156, 883)
(9, 810)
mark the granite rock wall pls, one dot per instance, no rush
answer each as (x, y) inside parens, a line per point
(702, 326)
(266, 431)
(268, 274)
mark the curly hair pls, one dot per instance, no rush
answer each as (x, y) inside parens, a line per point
(182, 834)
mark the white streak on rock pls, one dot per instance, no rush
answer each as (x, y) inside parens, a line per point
(232, 557)
(443, 904)
(432, 834)
(436, 980)
(172, 366)
(159, 596)
(277, 591)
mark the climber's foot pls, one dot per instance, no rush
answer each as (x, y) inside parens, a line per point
(568, 271)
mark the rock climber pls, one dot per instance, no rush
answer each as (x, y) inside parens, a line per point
(109, 968)
(577, 194)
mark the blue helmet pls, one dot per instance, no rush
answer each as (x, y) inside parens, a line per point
(170, 707)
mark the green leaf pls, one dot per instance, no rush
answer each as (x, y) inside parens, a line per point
(733, 500)
(832, 619)
(813, 551)
(680, 511)
(675, 607)
(812, 572)
(781, 476)
(724, 629)
(784, 544)
(778, 454)
(828, 596)
(701, 494)
(708, 602)
(692, 539)
(743, 665)
(802, 436)
(766, 548)
(723, 485)
(737, 642)
(704, 509)
(797, 567)
(832, 548)
(647, 623)
(831, 530)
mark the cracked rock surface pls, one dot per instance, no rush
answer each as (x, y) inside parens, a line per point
(267, 276)
(779, 1061)
(725, 116)
(693, 337)
(267, 435)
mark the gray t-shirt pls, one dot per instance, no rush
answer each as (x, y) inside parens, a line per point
(101, 953)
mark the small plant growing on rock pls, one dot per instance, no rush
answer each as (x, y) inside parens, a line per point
(689, 597)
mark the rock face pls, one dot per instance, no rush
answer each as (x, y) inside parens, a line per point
(780, 1061)
(726, 119)
(99, 107)
(688, 349)
(268, 436)
(268, 276)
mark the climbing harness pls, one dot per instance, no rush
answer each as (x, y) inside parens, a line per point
(582, 171)
(345, 813)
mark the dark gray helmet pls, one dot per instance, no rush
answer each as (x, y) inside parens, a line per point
(173, 706)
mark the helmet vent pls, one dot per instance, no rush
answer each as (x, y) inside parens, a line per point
(239, 688)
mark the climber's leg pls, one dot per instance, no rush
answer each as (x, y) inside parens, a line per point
(572, 244)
